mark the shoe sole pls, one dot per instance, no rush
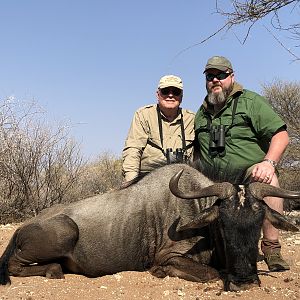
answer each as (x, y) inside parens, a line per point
(278, 269)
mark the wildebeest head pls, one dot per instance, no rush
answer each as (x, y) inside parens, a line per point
(237, 218)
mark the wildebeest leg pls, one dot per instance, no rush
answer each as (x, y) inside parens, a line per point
(185, 268)
(42, 245)
(53, 270)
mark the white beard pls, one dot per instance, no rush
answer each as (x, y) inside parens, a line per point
(219, 98)
(216, 99)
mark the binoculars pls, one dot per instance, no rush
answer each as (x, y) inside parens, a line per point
(217, 139)
(176, 156)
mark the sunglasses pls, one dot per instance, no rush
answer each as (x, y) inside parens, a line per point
(174, 91)
(220, 76)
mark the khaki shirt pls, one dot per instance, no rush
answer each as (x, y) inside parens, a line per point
(139, 153)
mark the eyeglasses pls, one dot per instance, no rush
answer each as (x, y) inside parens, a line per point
(173, 90)
(220, 76)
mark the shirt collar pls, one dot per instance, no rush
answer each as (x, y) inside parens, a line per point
(178, 117)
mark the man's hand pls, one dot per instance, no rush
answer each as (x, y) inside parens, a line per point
(263, 172)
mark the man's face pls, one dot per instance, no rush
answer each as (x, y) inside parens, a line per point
(169, 98)
(219, 84)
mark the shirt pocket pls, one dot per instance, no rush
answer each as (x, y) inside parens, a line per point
(241, 127)
(154, 138)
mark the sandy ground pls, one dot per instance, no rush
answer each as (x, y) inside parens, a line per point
(142, 285)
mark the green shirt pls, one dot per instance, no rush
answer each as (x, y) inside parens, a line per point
(248, 133)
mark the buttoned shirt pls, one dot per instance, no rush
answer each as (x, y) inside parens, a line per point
(247, 133)
(143, 149)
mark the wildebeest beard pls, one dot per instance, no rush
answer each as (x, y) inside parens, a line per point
(219, 98)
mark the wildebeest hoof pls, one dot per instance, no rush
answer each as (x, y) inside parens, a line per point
(55, 272)
(233, 287)
(158, 271)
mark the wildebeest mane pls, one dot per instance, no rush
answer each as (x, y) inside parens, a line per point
(217, 173)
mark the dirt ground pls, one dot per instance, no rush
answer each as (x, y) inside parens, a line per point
(142, 285)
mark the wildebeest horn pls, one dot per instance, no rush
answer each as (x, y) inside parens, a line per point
(204, 218)
(221, 190)
(260, 190)
(279, 221)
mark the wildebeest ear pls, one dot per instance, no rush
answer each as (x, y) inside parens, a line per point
(279, 221)
(203, 219)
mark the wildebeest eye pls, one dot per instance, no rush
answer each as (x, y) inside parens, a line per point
(255, 206)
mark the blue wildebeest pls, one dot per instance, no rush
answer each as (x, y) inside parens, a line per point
(146, 227)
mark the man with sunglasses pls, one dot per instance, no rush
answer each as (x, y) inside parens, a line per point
(160, 133)
(238, 132)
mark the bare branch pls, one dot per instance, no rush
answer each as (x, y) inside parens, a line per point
(283, 46)
(199, 43)
(248, 12)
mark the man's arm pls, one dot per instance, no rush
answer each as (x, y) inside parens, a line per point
(264, 171)
(134, 146)
(278, 145)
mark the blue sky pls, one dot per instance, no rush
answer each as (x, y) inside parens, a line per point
(93, 63)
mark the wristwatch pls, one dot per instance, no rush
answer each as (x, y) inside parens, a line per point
(272, 162)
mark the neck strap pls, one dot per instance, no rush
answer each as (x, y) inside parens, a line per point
(159, 119)
(235, 101)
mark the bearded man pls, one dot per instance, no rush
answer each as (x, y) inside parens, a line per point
(238, 131)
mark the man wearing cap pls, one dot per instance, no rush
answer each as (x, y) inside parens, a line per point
(238, 131)
(160, 133)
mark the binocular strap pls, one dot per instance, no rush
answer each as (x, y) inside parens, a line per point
(159, 119)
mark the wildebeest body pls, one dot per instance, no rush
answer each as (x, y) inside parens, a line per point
(128, 229)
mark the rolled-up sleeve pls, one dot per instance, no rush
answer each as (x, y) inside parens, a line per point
(134, 146)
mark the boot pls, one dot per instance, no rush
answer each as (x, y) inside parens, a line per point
(272, 256)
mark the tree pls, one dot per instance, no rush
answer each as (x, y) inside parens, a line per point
(39, 165)
(248, 12)
(284, 96)
(285, 99)
(101, 175)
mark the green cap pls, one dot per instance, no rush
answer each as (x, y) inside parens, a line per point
(170, 80)
(218, 62)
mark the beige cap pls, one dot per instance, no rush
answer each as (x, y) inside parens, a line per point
(218, 62)
(170, 80)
